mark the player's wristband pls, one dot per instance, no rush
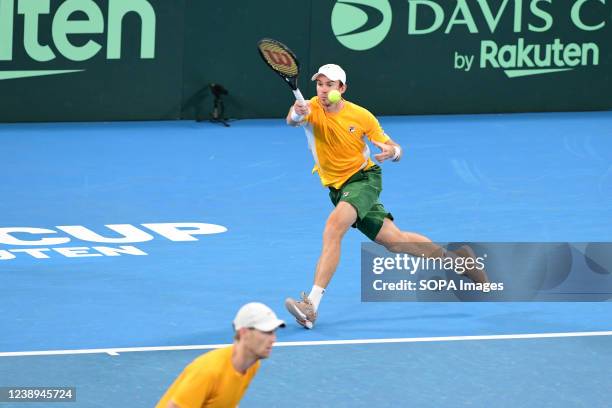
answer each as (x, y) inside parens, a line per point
(295, 117)
(398, 153)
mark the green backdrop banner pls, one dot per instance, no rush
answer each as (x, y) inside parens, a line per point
(220, 47)
(69, 60)
(470, 56)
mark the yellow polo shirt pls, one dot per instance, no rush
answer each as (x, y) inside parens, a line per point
(337, 143)
(210, 381)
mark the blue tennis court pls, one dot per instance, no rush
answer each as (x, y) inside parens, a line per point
(126, 249)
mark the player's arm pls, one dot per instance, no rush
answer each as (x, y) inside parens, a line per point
(389, 151)
(297, 113)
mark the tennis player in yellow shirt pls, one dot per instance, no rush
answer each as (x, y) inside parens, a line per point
(336, 135)
(219, 378)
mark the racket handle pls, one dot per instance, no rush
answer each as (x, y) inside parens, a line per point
(298, 95)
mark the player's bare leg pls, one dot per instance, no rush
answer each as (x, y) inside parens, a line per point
(338, 222)
(415, 244)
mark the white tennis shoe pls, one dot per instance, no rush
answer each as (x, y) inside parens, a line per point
(303, 310)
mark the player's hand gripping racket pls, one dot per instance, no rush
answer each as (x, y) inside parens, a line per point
(282, 61)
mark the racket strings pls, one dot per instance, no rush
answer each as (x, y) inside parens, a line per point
(279, 59)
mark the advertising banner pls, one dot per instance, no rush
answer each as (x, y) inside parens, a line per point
(469, 56)
(90, 59)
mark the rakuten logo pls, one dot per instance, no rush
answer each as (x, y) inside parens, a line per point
(123, 234)
(77, 29)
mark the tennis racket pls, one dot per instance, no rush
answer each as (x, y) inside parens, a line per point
(282, 61)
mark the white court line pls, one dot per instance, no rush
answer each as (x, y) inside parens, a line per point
(117, 351)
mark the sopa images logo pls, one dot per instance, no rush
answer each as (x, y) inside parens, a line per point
(361, 24)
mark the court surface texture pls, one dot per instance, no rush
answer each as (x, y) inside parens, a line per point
(119, 320)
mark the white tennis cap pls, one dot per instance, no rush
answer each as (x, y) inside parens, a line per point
(332, 71)
(258, 316)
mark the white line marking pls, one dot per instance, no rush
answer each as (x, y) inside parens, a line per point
(116, 351)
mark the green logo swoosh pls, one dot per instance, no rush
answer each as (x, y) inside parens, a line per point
(29, 74)
(361, 24)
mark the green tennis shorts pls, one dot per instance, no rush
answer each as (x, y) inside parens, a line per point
(362, 191)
